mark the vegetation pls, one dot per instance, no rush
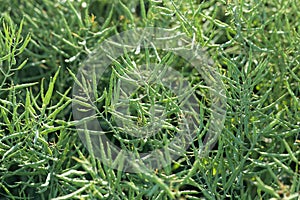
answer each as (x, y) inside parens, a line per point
(255, 47)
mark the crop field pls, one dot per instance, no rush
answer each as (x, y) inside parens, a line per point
(149, 99)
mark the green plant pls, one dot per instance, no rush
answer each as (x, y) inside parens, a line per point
(254, 45)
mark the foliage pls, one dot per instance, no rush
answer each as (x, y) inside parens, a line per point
(255, 47)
